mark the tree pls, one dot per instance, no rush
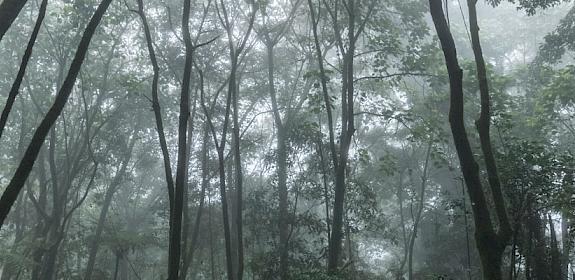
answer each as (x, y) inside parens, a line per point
(25, 166)
(25, 59)
(339, 158)
(9, 10)
(490, 244)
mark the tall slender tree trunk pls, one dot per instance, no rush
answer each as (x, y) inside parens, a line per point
(21, 217)
(27, 162)
(340, 176)
(25, 59)
(9, 10)
(238, 179)
(181, 171)
(233, 100)
(346, 134)
(490, 244)
(220, 148)
(281, 165)
(483, 128)
(156, 103)
(204, 185)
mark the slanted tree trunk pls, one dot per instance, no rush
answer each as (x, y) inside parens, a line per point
(27, 162)
(14, 90)
(9, 10)
(490, 244)
(20, 214)
(41, 228)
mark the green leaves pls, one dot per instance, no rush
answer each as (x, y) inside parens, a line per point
(530, 6)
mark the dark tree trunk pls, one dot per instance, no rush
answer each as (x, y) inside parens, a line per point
(339, 176)
(204, 185)
(9, 10)
(340, 158)
(220, 148)
(238, 178)
(25, 59)
(232, 101)
(489, 244)
(27, 162)
(555, 254)
(181, 180)
(156, 104)
(483, 128)
(281, 165)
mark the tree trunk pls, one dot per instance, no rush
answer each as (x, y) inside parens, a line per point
(205, 182)
(9, 10)
(108, 197)
(483, 128)
(566, 244)
(181, 180)
(281, 165)
(27, 162)
(339, 176)
(25, 59)
(555, 254)
(238, 179)
(489, 245)
(220, 148)
(417, 220)
(540, 265)
(156, 104)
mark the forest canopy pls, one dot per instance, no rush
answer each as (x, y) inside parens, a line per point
(287, 139)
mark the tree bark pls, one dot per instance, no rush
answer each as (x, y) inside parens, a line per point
(489, 245)
(233, 92)
(9, 10)
(14, 90)
(483, 128)
(220, 148)
(27, 162)
(281, 165)
(181, 170)
(332, 246)
(204, 185)
(156, 103)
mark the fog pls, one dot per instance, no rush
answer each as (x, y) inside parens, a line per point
(287, 139)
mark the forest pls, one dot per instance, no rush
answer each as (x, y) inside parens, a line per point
(287, 139)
